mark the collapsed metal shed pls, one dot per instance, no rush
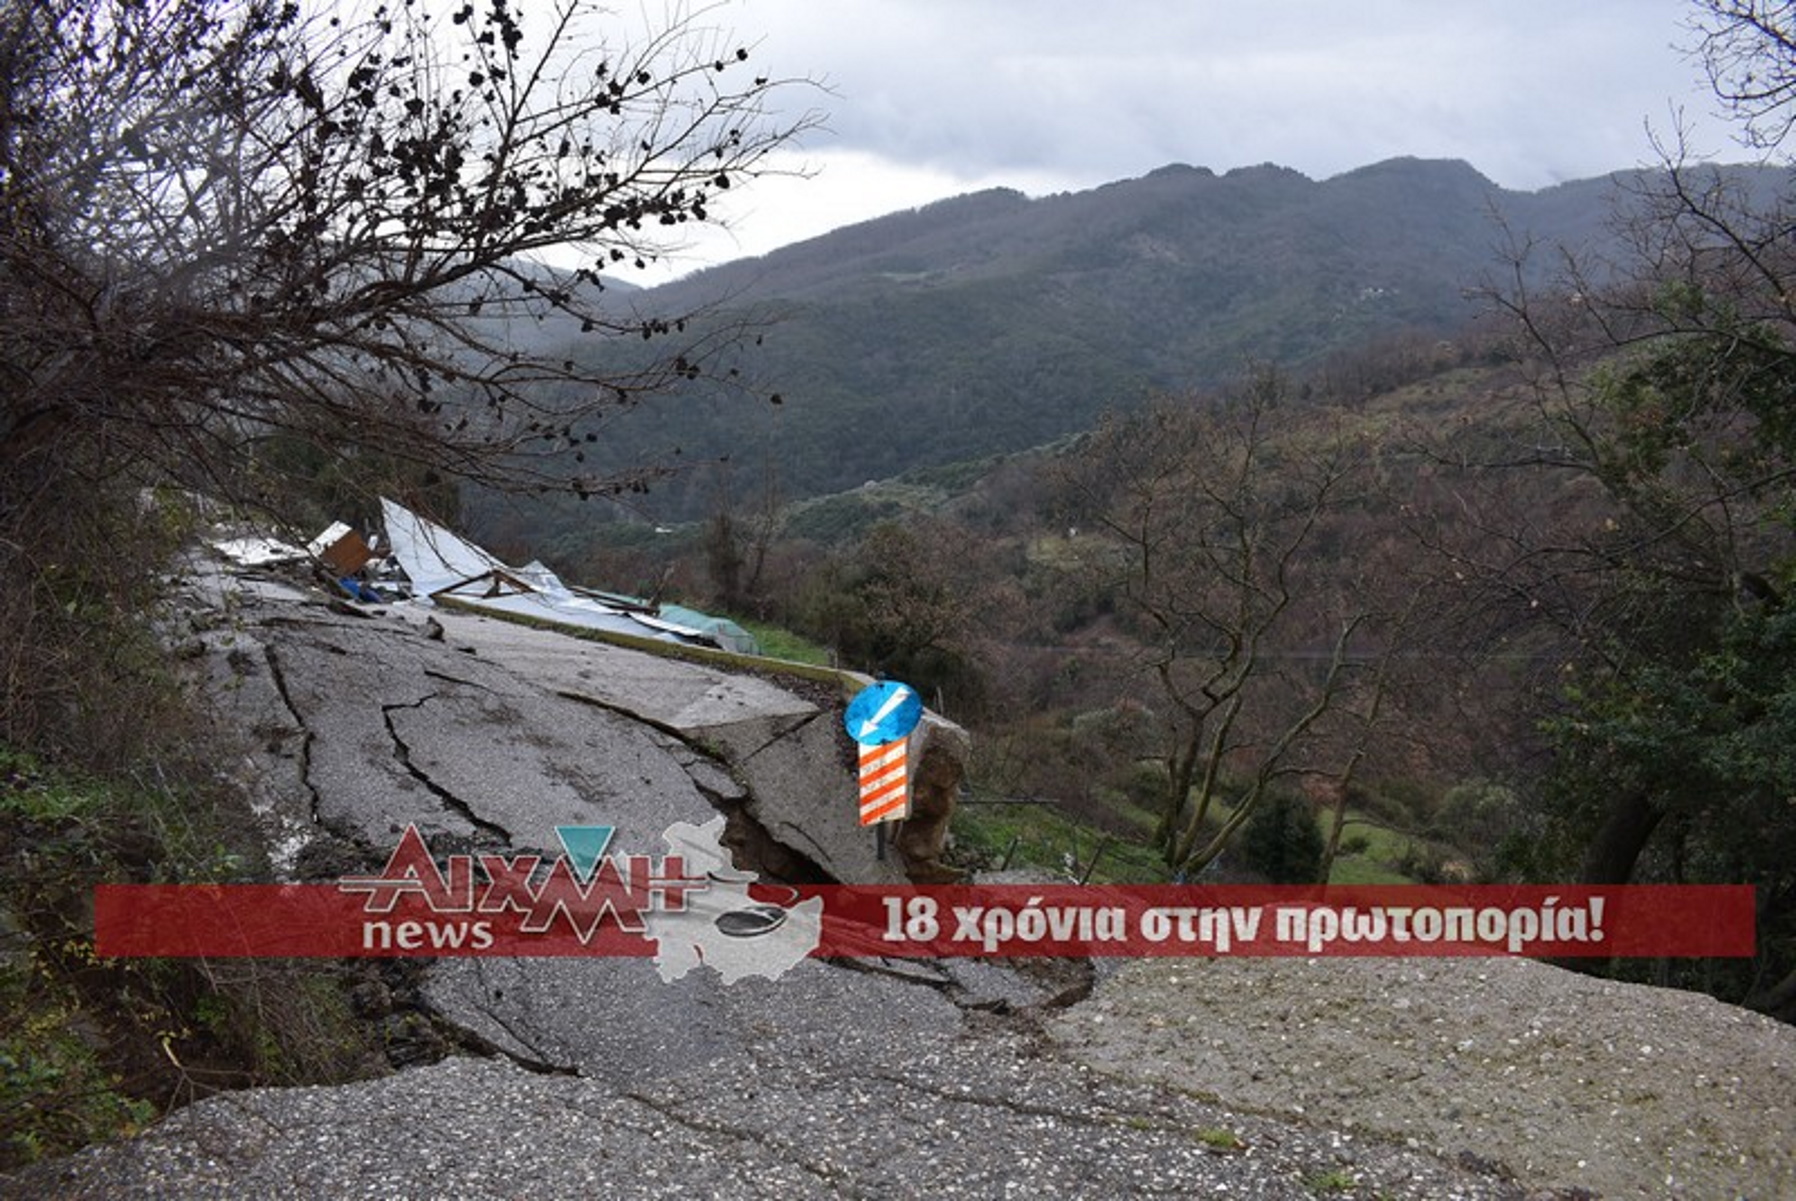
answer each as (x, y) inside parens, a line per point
(441, 563)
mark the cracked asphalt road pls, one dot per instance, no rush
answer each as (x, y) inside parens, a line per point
(864, 1080)
(961, 1111)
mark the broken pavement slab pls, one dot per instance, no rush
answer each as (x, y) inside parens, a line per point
(786, 749)
(382, 728)
(490, 734)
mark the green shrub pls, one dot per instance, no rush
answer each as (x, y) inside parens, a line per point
(1281, 840)
(91, 1048)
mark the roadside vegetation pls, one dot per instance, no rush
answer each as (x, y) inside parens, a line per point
(1283, 844)
(93, 1047)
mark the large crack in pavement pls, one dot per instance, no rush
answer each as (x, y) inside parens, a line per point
(523, 1051)
(403, 756)
(623, 711)
(459, 681)
(782, 732)
(279, 677)
(753, 846)
(1022, 990)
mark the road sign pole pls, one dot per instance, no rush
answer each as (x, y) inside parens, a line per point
(880, 719)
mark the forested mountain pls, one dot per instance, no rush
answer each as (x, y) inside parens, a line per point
(993, 322)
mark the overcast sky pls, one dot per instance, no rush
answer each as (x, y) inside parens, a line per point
(933, 98)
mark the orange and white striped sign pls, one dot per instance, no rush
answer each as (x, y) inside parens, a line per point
(885, 783)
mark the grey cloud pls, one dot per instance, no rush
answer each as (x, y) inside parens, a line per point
(1526, 90)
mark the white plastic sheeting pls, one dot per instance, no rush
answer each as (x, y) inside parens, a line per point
(438, 561)
(259, 552)
(432, 557)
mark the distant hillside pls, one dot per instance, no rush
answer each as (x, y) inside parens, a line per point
(993, 322)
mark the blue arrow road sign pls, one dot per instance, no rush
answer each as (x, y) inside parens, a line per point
(882, 713)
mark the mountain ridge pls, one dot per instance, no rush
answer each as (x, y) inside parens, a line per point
(999, 202)
(992, 322)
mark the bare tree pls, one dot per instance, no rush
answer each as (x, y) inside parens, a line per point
(1748, 48)
(230, 229)
(1208, 516)
(739, 536)
(225, 221)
